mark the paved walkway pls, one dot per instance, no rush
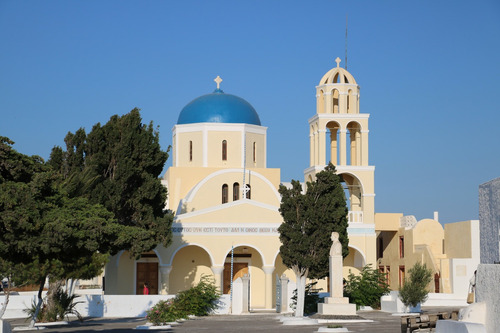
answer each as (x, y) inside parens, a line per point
(383, 322)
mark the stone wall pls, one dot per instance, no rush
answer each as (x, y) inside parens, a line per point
(488, 291)
(489, 217)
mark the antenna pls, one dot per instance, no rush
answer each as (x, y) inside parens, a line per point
(345, 41)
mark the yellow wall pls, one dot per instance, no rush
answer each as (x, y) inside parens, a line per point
(457, 242)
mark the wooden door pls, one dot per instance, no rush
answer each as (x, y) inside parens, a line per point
(147, 272)
(239, 269)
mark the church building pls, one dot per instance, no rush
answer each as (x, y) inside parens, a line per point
(226, 199)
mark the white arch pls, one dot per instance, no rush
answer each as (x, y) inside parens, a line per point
(195, 189)
(119, 255)
(191, 244)
(363, 256)
(355, 177)
(248, 245)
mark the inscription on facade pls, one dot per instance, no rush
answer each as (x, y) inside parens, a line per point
(225, 230)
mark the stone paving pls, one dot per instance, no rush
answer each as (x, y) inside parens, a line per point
(382, 322)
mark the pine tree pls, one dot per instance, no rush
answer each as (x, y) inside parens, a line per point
(309, 219)
(118, 166)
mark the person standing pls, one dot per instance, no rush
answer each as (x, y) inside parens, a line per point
(145, 290)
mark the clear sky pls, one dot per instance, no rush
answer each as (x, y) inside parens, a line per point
(429, 74)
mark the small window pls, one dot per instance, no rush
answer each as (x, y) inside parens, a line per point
(380, 247)
(224, 193)
(401, 275)
(254, 152)
(224, 150)
(401, 247)
(236, 191)
(190, 151)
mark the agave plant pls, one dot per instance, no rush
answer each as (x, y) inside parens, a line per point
(64, 305)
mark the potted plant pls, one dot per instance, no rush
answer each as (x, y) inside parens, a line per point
(415, 288)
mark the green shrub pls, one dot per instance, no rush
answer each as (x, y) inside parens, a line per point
(64, 305)
(311, 298)
(162, 312)
(415, 288)
(366, 288)
(199, 300)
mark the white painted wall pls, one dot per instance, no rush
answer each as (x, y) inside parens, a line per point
(106, 306)
(392, 303)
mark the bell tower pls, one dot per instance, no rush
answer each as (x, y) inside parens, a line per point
(338, 133)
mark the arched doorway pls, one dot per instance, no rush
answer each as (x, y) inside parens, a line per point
(245, 260)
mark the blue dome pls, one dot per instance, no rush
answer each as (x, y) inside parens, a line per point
(219, 107)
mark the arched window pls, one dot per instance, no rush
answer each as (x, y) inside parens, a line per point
(224, 193)
(236, 191)
(224, 150)
(254, 152)
(248, 189)
(335, 101)
(190, 151)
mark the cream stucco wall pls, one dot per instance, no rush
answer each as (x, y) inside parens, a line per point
(426, 242)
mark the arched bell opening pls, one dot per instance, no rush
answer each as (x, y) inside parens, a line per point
(354, 144)
(354, 193)
(332, 141)
(320, 104)
(335, 101)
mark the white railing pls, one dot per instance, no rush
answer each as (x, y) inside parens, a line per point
(355, 216)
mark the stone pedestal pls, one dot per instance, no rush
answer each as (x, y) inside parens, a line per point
(338, 306)
(246, 296)
(284, 293)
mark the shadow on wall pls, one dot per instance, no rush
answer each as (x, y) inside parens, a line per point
(188, 265)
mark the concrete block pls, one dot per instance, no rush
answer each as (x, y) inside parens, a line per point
(5, 327)
(337, 309)
(452, 326)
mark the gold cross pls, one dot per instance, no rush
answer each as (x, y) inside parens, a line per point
(218, 80)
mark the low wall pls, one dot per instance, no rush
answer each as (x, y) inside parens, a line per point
(105, 306)
(392, 303)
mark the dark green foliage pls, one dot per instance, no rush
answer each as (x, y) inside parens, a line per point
(415, 288)
(199, 300)
(64, 306)
(309, 220)
(118, 166)
(311, 298)
(44, 231)
(366, 288)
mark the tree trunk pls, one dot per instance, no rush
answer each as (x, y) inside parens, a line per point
(51, 310)
(300, 277)
(7, 296)
(39, 304)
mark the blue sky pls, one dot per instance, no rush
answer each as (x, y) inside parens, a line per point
(428, 72)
